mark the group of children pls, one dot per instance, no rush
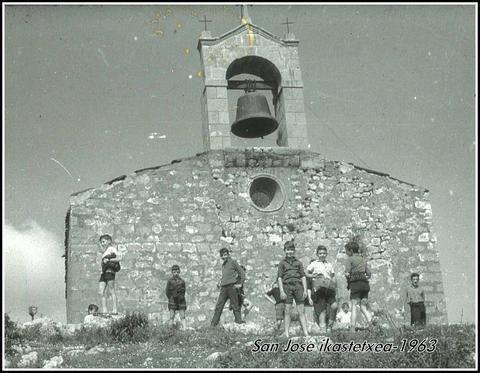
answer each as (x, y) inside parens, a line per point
(316, 286)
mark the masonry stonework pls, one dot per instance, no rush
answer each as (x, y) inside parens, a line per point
(250, 200)
(271, 58)
(184, 212)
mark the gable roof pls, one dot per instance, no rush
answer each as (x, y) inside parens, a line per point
(302, 153)
(257, 30)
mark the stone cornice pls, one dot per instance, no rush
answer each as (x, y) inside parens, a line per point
(246, 27)
(306, 159)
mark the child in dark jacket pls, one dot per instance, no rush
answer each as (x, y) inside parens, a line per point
(175, 292)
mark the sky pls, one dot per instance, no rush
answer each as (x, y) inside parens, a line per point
(95, 92)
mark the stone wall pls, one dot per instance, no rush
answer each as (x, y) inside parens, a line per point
(184, 212)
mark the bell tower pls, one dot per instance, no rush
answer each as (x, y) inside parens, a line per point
(274, 63)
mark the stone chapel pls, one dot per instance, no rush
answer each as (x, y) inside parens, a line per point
(250, 199)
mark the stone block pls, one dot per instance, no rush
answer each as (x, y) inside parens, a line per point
(290, 118)
(226, 141)
(423, 205)
(216, 142)
(217, 73)
(297, 142)
(300, 118)
(142, 265)
(212, 117)
(297, 130)
(428, 256)
(217, 105)
(221, 92)
(424, 237)
(224, 118)
(308, 161)
(292, 93)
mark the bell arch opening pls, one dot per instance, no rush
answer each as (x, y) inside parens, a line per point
(257, 66)
(252, 92)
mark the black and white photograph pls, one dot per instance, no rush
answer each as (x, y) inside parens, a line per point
(239, 186)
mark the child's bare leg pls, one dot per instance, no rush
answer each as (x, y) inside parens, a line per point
(333, 314)
(301, 317)
(308, 317)
(101, 291)
(322, 319)
(279, 324)
(288, 310)
(172, 318)
(182, 318)
(354, 314)
(111, 286)
(309, 312)
(364, 308)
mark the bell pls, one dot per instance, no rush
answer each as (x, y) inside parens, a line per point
(253, 117)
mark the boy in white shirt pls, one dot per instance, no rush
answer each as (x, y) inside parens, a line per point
(324, 288)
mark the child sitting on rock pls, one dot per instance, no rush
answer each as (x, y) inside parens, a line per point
(344, 316)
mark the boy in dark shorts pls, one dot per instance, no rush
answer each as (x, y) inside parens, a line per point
(357, 274)
(293, 285)
(175, 292)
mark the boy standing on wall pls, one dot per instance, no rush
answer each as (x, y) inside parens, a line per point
(107, 278)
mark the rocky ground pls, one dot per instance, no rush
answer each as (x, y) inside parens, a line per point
(47, 344)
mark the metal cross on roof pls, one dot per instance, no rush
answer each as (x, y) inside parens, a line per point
(288, 23)
(205, 21)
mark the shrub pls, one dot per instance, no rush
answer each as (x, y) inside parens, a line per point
(90, 336)
(31, 332)
(41, 330)
(12, 335)
(131, 328)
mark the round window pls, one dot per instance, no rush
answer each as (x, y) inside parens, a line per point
(266, 193)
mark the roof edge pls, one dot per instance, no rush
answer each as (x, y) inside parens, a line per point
(239, 29)
(283, 150)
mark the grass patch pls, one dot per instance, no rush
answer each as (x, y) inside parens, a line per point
(451, 346)
(134, 343)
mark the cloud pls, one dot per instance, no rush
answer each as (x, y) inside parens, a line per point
(33, 272)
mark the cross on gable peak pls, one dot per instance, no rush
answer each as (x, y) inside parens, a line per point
(205, 21)
(288, 23)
